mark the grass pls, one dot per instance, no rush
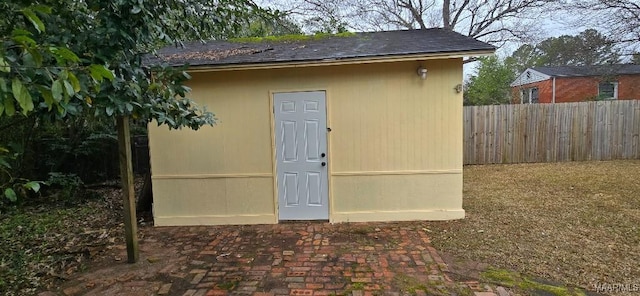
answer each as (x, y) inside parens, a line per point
(576, 223)
(515, 280)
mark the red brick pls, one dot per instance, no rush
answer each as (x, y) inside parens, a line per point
(216, 292)
(303, 292)
(322, 279)
(334, 286)
(361, 280)
(314, 286)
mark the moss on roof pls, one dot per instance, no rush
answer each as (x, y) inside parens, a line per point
(290, 37)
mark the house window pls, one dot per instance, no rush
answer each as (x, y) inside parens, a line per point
(607, 90)
(529, 95)
(534, 96)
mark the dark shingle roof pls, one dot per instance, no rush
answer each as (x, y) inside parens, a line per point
(328, 48)
(580, 71)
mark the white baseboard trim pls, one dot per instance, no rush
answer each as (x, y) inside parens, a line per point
(340, 217)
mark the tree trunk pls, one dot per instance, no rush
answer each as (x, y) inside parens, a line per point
(446, 14)
(128, 193)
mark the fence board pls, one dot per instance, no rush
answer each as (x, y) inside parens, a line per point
(552, 132)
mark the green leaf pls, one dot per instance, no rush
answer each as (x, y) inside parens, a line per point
(10, 194)
(69, 88)
(99, 72)
(61, 110)
(22, 95)
(20, 32)
(71, 109)
(36, 56)
(65, 54)
(17, 88)
(34, 19)
(3, 95)
(4, 163)
(109, 111)
(9, 108)
(56, 90)
(24, 40)
(42, 9)
(33, 186)
(4, 65)
(48, 97)
(129, 107)
(74, 82)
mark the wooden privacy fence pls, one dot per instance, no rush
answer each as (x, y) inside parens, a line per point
(601, 130)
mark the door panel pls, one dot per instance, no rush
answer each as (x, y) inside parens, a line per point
(301, 152)
(289, 142)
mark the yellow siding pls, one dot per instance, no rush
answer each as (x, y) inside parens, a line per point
(205, 200)
(395, 146)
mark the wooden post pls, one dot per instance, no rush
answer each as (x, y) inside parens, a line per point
(128, 193)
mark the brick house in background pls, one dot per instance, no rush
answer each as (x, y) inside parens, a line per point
(577, 83)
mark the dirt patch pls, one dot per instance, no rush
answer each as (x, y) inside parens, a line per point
(576, 223)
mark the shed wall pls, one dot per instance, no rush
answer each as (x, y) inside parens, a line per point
(395, 149)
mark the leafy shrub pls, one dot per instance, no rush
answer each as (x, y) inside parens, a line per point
(66, 186)
(10, 186)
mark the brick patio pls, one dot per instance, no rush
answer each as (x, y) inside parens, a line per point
(284, 259)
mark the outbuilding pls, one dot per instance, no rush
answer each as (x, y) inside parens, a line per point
(345, 128)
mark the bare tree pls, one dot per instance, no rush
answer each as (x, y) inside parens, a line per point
(620, 17)
(494, 21)
(316, 15)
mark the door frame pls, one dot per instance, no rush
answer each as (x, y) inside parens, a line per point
(274, 161)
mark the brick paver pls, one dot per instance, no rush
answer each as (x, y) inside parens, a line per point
(284, 259)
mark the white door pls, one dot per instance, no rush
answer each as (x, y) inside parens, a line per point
(301, 155)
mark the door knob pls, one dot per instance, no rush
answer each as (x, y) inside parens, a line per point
(323, 163)
(322, 155)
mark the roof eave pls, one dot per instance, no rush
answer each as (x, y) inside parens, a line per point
(518, 81)
(334, 62)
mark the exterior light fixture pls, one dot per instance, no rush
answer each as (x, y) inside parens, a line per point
(422, 72)
(458, 88)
